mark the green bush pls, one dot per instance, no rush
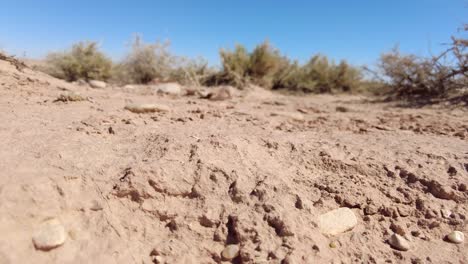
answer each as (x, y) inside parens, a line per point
(319, 76)
(83, 61)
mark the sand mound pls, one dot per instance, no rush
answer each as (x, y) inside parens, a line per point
(242, 180)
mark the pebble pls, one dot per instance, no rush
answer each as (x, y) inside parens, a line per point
(456, 237)
(97, 84)
(230, 252)
(49, 235)
(398, 242)
(147, 108)
(337, 221)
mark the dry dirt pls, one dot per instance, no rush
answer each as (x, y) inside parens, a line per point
(256, 170)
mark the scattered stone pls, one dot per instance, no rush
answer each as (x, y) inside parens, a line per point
(97, 84)
(398, 242)
(168, 88)
(337, 221)
(49, 235)
(230, 252)
(456, 237)
(147, 108)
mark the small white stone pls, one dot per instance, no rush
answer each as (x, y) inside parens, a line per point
(337, 221)
(398, 242)
(230, 252)
(49, 235)
(147, 108)
(456, 237)
(129, 86)
(97, 84)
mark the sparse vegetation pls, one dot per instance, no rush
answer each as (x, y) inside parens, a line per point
(415, 77)
(83, 61)
(145, 63)
(266, 67)
(401, 75)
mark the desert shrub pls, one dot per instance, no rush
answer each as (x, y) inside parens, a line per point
(418, 77)
(191, 72)
(319, 75)
(145, 63)
(240, 67)
(83, 61)
(264, 63)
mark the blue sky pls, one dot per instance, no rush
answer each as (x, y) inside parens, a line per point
(356, 30)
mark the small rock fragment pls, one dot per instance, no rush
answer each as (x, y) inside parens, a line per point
(146, 108)
(445, 213)
(50, 234)
(337, 221)
(97, 84)
(95, 206)
(456, 237)
(398, 242)
(230, 252)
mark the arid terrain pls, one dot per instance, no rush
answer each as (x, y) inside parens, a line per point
(256, 170)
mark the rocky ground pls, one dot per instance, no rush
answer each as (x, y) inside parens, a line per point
(93, 176)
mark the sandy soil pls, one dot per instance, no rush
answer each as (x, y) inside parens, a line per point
(256, 170)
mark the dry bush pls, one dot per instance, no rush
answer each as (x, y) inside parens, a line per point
(266, 67)
(265, 62)
(145, 63)
(192, 72)
(83, 61)
(411, 76)
(240, 67)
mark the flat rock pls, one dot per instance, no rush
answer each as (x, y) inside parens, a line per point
(337, 221)
(168, 88)
(50, 234)
(456, 237)
(97, 84)
(230, 252)
(398, 242)
(147, 108)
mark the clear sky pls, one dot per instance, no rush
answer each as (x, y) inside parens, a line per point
(356, 30)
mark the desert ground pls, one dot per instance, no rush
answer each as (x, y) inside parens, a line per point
(246, 179)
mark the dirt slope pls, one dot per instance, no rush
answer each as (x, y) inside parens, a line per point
(256, 170)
